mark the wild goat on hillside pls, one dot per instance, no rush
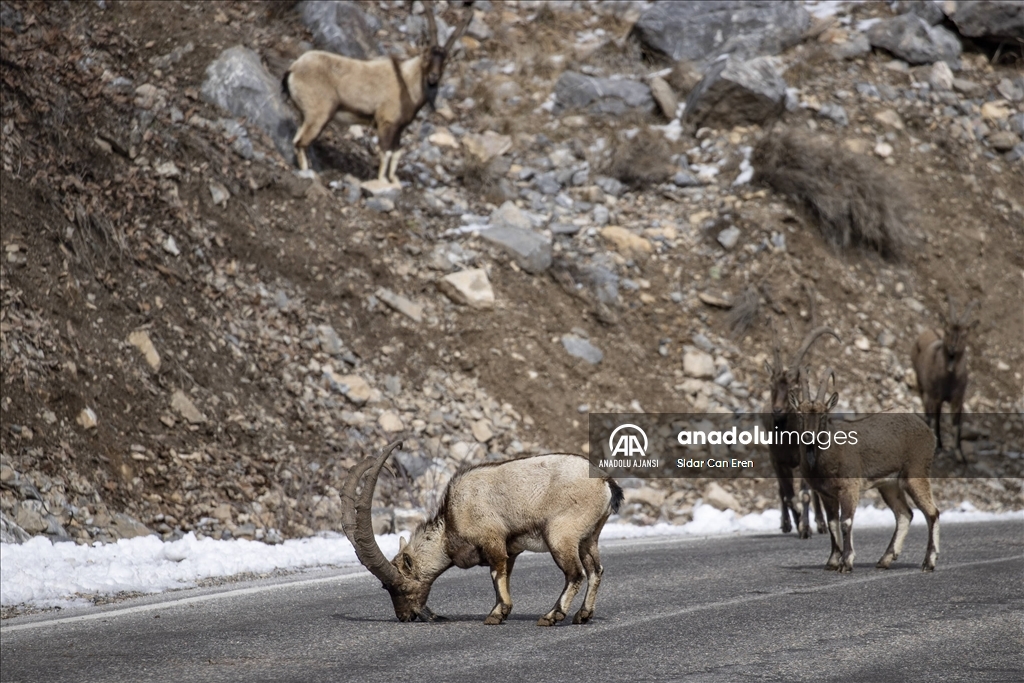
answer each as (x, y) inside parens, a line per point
(490, 513)
(385, 91)
(890, 451)
(940, 362)
(785, 457)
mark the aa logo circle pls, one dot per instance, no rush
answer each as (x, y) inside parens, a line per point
(628, 443)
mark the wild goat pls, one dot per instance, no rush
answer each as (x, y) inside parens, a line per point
(490, 514)
(890, 451)
(785, 457)
(388, 92)
(940, 362)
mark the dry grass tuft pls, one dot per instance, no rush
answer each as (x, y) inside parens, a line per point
(640, 162)
(853, 200)
(743, 312)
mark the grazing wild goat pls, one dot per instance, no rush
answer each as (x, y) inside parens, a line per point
(889, 451)
(785, 457)
(490, 513)
(388, 92)
(940, 362)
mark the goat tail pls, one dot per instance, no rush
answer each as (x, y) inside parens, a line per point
(284, 84)
(616, 494)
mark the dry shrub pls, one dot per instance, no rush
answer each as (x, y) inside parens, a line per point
(485, 179)
(853, 200)
(640, 162)
(744, 312)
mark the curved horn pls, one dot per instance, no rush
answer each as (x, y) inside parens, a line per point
(776, 351)
(808, 340)
(805, 383)
(428, 11)
(463, 25)
(824, 384)
(355, 517)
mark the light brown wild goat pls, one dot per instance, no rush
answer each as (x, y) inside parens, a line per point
(940, 362)
(490, 513)
(785, 457)
(889, 451)
(385, 91)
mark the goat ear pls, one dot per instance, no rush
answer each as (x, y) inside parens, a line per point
(402, 543)
(831, 403)
(407, 562)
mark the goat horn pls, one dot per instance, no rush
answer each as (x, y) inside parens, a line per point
(355, 517)
(966, 316)
(776, 350)
(805, 382)
(952, 308)
(808, 340)
(824, 384)
(463, 25)
(428, 7)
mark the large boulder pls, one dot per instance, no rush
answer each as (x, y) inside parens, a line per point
(236, 81)
(531, 250)
(702, 31)
(914, 40)
(734, 93)
(1003, 21)
(340, 26)
(601, 95)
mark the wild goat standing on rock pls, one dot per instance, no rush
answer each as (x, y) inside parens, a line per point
(490, 513)
(388, 92)
(890, 451)
(940, 362)
(785, 457)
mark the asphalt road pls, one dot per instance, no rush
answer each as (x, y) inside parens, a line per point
(744, 608)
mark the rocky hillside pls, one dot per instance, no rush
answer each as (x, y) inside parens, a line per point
(195, 337)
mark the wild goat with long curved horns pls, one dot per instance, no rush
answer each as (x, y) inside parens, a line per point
(490, 513)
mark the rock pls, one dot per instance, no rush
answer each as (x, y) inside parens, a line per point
(10, 18)
(647, 496)
(734, 93)
(611, 186)
(702, 31)
(941, 76)
(530, 250)
(171, 246)
(443, 138)
(340, 26)
(140, 340)
(994, 20)
(967, 87)
(508, 215)
(862, 343)
(148, 96)
(380, 204)
(582, 349)
(10, 532)
(663, 95)
(601, 95)
(167, 169)
(995, 111)
(237, 82)
(715, 301)
(469, 287)
(547, 183)
(330, 343)
(219, 193)
(856, 46)
(884, 150)
(390, 422)
(686, 179)
(487, 146)
(719, 498)
(1003, 141)
(835, 112)
(912, 39)
(401, 304)
(353, 387)
(482, 430)
(626, 243)
(886, 339)
(87, 419)
(698, 364)
(928, 10)
(477, 29)
(729, 237)
(889, 118)
(183, 405)
(30, 516)
(1011, 91)
(126, 526)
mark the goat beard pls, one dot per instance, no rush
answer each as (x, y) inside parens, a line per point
(431, 94)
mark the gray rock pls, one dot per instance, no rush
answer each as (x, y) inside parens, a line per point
(991, 20)
(10, 532)
(547, 183)
(564, 228)
(729, 237)
(913, 40)
(531, 250)
(508, 215)
(236, 81)
(736, 93)
(602, 281)
(610, 186)
(582, 349)
(30, 515)
(968, 87)
(340, 26)
(1017, 124)
(835, 112)
(601, 95)
(701, 31)
(330, 343)
(380, 204)
(686, 179)
(1015, 153)
(926, 9)
(856, 46)
(601, 215)
(10, 17)
(1003, 141)
(1010, 90)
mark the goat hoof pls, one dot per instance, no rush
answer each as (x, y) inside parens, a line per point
(582, 617)
(884, 563)
(822, 529)
(927, 567)
(786, 527)
(493, 620)
(550, 620)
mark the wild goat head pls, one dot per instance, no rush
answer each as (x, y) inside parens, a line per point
(954, 339)
(785, 380)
